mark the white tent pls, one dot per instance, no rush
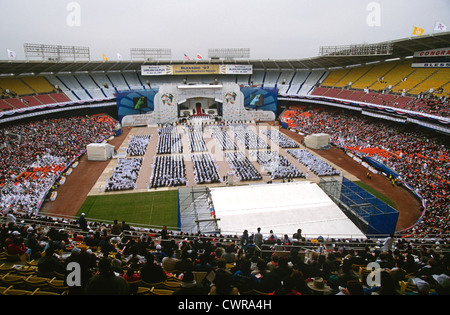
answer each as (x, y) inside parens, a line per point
(283, 208)
(99, 151)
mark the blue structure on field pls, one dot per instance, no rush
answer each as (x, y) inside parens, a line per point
(379, 217)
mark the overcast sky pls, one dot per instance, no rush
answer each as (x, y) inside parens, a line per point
(275, 29)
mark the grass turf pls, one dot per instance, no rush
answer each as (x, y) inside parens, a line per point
(149, 208)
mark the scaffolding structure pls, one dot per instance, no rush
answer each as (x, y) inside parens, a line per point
(196, 211)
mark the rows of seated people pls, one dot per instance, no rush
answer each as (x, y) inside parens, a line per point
(247, 137)
(196, 140)
(277, 165)
(205, 171)
(223, 140)
(168, 171)
(31, 148)
(242, 167)
(124, 175)
(418, 156)
(249, 263)
(280, 139)
(169, 141)
(138, 145)
(314, 163)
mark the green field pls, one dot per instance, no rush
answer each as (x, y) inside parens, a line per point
(149, 209)
(376, 194)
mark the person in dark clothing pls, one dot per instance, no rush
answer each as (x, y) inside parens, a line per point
(189, 286)
(82, 222)
(50, 263)
(151, 272)
(106, 282)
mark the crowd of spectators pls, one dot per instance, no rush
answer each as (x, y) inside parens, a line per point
(241, 166)
(277, 166)
(224, 141)
(35, 154)
(196, 140)
(247, 137)
(124, 175)
(205, 171)
(138, 145)
(168, 171)
(169, 141)
(420, 157)
(280, 139)
(314, 163)
(234, 264)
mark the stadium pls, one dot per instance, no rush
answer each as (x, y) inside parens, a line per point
(339, 160)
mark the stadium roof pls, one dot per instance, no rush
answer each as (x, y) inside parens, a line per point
(401, 48)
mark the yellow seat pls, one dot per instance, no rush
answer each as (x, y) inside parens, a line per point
(143, 291)
(12, 291)
(25, 270)
(171, 285)
(34, 282)
(11, 279)
(39, 291)
(151, 285)
(156, 291)
(57, 285)
(6, 269)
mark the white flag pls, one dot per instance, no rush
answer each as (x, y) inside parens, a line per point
(11, 54)
(199, 57)
(440, 27)
(119, 56)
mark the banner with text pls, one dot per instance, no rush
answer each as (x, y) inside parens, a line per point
(150, 70)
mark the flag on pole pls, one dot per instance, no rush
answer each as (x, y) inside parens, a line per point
(440, 27)
(105, 58)
(186, 57)
(11, 54)
(199, 57)
(119, 57)
(418, 31)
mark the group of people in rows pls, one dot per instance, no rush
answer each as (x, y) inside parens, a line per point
(124, 175)
(169, 140)
(276, 165)
(41, 151)
(247, 137)
(280, 139)
(138, 145)
(420, 157)
(234, 264)
(314, 163)
(205, 170)
(168, 171)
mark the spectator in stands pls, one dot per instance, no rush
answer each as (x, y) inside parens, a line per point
(82, 222)
(105, 282)
(50, 263)
(169, 262)
(189, 286)
(151, 271)
(243, 278)
(17, 247)
(223, 284)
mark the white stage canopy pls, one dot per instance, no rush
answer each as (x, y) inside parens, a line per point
(283, 208)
